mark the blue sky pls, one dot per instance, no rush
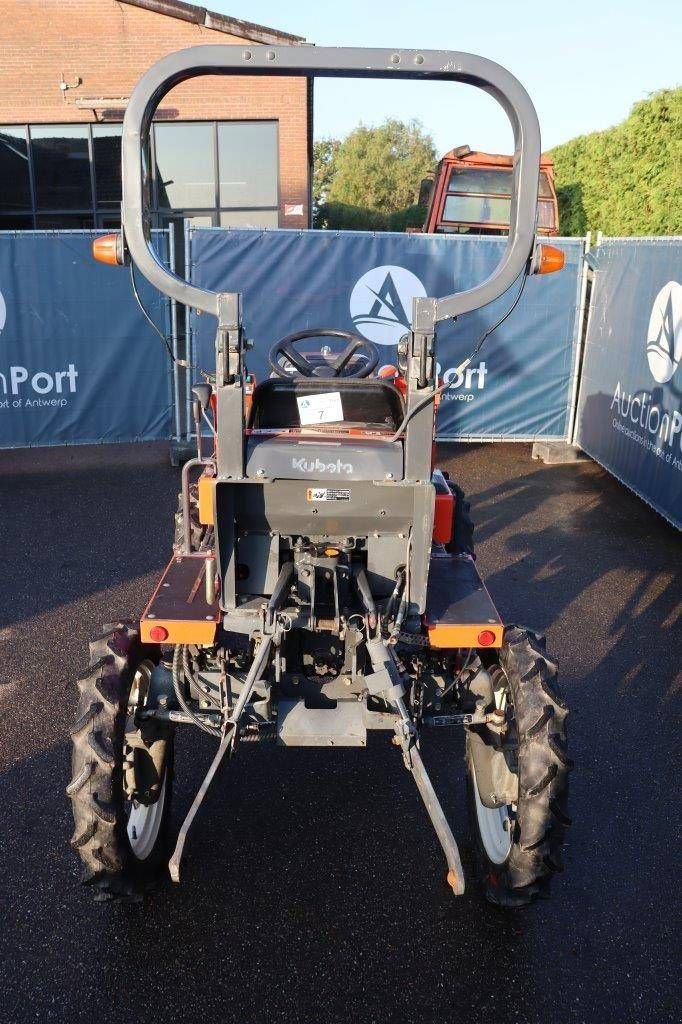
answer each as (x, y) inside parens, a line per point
(583, 63)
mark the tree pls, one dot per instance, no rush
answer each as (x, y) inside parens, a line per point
(626, 180)
(381, 168)
(324, 156)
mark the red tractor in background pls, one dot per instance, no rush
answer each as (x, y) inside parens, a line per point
(471, 194)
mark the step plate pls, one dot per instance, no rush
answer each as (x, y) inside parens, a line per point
(342, 726)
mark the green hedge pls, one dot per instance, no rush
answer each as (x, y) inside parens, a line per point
(626, 180)
(344, 217)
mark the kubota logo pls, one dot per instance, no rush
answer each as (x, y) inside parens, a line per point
(316, 465)
(664, 338)
(381, 303)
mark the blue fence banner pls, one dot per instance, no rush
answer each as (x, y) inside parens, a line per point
(78, 362)
(629, 416)
(519, 388)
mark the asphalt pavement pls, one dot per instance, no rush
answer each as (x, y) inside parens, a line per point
(314, 890)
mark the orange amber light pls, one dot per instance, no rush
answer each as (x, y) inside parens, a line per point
(549, 259)
(108, 249)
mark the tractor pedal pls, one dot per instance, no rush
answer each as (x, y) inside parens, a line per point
(341, 726)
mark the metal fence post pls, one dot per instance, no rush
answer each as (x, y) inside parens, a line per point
(189, 336)
(580, 340)
(174, 341)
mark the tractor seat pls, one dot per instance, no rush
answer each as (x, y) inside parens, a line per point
(359, 447)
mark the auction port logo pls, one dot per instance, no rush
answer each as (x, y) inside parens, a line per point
(40, 384)
(381, 303)
(664, 337)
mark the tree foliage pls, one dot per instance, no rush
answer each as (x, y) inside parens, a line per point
(370, 180)
(626, 180)
(324, 157)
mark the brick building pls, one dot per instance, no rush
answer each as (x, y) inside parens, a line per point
(231, 151)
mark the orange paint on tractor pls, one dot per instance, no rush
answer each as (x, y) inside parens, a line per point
(196, 631)
(452, 635)
(206, 489)
(443, 517)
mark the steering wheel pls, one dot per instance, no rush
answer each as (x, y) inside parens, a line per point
(335, 367)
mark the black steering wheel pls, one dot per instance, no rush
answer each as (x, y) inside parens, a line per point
(324, 369)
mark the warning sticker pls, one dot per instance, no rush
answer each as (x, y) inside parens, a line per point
(325, 408)
(328, 494)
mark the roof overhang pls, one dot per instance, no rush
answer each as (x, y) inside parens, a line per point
(218, 22)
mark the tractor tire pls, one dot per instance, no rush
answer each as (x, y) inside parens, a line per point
(462, 542)
(116, 863)
(197, 530)
(519, 862)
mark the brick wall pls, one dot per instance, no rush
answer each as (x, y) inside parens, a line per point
(108, 45)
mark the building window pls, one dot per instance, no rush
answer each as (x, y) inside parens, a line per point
(106, 154)
(69, 176)
(247, 157)
(15, 193)
(61, 166)
(63, 221)
(185, 166)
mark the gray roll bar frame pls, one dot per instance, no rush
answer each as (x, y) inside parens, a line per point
(335, 62)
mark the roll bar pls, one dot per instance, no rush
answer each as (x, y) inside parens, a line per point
(313, 61)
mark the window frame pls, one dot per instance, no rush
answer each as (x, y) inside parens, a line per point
(96, 212)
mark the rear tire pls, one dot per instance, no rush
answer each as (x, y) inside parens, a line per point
(122, 843)
(520, 844)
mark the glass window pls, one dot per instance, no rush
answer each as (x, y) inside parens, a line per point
(249, 219)
(110, 219)
(185, 165)
(15, 191)
(16, 222)
(477, 209)
(492, 181)
(57, 221)
(480, 179)
(546, 214)
(545, 188)
(197, 220)
(61, 164)
(247, 158)
(106, 151)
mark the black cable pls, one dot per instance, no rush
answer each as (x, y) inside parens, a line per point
(462, 366)
(164, 339)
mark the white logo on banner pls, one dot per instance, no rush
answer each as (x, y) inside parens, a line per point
(3, 311)
(381, 303)
(664, 338)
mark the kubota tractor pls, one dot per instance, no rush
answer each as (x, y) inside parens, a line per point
(323, 581)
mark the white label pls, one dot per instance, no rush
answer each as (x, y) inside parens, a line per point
(328, 494)
(320, 408)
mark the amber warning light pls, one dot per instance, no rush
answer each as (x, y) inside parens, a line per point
(109, 249)
(548, 259)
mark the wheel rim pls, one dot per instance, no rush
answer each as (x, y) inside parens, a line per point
(495, 824)
(144, 821)
(144, 824)
(494, 827)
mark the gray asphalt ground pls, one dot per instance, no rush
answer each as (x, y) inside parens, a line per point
(314, 889)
